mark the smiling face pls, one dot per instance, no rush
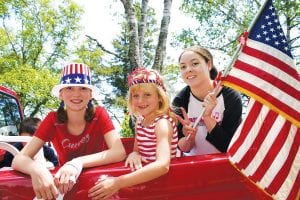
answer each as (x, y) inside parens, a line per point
(144, 100)
(75, 98)
(194, 68)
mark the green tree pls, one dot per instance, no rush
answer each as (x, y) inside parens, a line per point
(31, 85)
(36, 36)
(221, 22)
(135, 46)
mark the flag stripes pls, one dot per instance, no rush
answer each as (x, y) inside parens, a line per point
(270, 84)
(265, 147)
(270, 160)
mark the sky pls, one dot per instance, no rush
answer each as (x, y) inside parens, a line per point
(100, 23)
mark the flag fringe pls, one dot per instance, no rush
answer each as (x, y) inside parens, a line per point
(250, 180)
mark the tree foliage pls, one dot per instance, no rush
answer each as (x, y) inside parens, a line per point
(31, 85)
(35, 38)
(135, 46)
(221, 22)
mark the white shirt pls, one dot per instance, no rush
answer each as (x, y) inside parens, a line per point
(202, 146)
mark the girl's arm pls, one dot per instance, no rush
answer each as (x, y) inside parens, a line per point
(42, 179)
(114, 153)
(107, 187)
(65, 178)
(24, 161)
(164, 133)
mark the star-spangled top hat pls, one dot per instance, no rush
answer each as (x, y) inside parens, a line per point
(76, 74)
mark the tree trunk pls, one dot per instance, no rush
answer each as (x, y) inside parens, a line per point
(133, 54)
(137, 31)
(162, 40)
(142, 28)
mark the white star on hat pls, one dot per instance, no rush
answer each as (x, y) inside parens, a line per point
(68, 80)
(77, 79)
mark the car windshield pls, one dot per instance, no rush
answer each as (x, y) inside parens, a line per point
(10, 115)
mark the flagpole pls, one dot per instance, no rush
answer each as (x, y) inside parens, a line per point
(238, 50)
(258, 14)
(218, 88)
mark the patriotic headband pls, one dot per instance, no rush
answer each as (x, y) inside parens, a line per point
(143, 75)
(75, 74)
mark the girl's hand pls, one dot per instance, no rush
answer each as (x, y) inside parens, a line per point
(104, 188)
(65, 178)
(210, 102)
(43, 184)
(187, 128)
(134, 160)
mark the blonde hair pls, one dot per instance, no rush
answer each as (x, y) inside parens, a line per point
(164, 104)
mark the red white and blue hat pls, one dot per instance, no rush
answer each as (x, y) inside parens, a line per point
(75, 74)
(144, 75)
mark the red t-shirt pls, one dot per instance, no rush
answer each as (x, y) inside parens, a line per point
(69, 146)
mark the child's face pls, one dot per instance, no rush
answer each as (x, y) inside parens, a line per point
(194, 69)
(76, 98)
(145, 100)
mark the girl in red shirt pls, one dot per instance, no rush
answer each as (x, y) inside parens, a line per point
(79, 132)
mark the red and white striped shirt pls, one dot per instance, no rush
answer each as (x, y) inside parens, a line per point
(146, 139)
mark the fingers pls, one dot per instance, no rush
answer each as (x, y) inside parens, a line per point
(135, 165)
(185, 116)
(180, 119)
(64, 182)
(98, 191)
(47, 193)
(134, 161)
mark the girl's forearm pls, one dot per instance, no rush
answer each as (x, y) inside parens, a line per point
(102, 158)
(147, 173)
(210, 123)
(186, 143)
(25, 164)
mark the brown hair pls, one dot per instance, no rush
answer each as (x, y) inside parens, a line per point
(62, 116)
(206, 55)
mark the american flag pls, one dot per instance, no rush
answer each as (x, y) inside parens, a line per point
(265, 148)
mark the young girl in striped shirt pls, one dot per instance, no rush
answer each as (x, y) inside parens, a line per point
(155, 134)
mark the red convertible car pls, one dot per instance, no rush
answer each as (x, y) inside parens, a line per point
(194, 177)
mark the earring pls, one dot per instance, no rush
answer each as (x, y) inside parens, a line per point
(62, 105)
(90, 104)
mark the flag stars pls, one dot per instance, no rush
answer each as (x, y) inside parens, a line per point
(268, 30)
(86, 81)
(77, 79)
(68, 80)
